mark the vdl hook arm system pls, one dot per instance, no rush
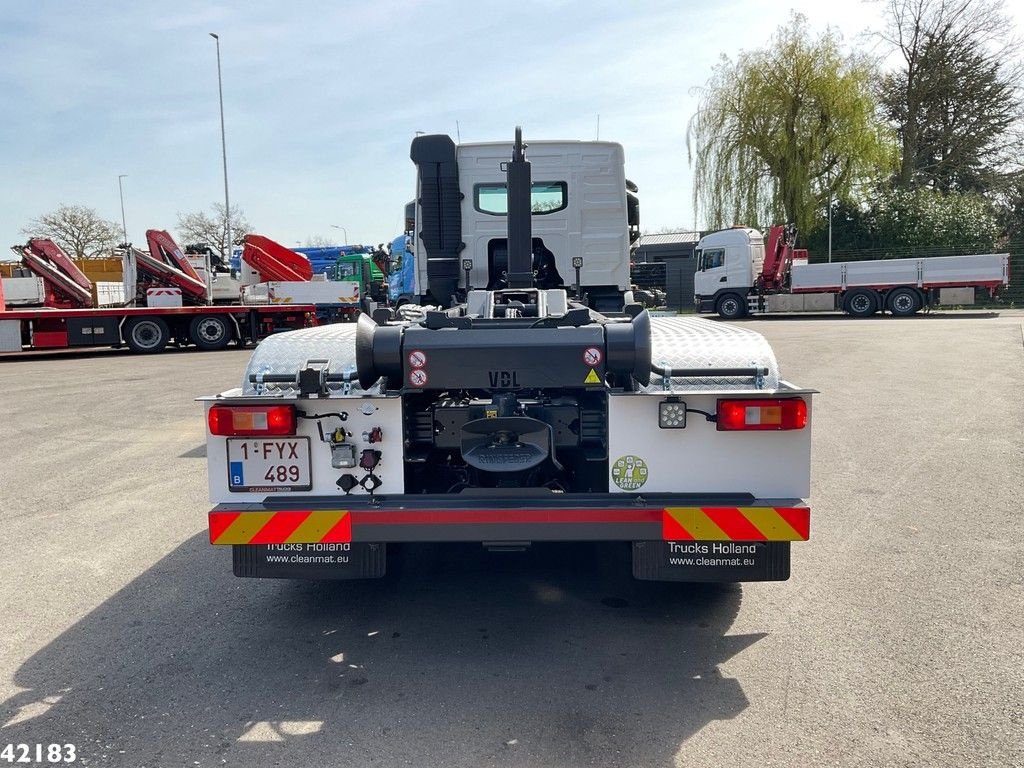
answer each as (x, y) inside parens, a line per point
(520, 415)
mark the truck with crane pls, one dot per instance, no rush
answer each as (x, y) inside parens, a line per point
(737, 270)
(515, 408)
(350, 280)
(165, 301)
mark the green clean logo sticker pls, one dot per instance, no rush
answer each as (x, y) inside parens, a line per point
(629, 472)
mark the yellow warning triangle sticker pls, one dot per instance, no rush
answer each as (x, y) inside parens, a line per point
(592, 378)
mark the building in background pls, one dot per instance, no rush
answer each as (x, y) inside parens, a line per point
(666, 261)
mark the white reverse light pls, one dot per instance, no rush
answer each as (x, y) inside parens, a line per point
(672, 414)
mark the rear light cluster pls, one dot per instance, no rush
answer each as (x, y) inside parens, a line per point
(251, 420)
(761, 415)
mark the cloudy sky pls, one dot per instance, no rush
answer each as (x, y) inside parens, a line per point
(323, 98)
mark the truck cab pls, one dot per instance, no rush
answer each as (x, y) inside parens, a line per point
(582, 206)
(728, 263)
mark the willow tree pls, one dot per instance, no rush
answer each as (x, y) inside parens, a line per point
(783, 130)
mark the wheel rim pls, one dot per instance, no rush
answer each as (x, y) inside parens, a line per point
(146, 335)
(903, 302)
(730, 307)
(211, 330)
(860, 303)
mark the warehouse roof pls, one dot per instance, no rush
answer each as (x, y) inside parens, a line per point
(669, 238)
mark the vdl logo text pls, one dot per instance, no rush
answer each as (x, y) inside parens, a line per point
(503, 378)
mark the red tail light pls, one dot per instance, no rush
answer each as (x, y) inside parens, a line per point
(251, 420)
(762, 414)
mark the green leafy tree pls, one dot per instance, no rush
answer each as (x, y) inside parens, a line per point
(897, 220)
(924, 217)
(853, 229)
(1009, 204)
(79, 231)
(211, 228)
(783, 130)
(954, 100)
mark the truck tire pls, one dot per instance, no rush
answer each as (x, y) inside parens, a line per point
(731, 307)
(861, 303)
(904, 302)
(210, 331)
(146, 335)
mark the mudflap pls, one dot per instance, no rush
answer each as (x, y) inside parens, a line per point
(715, 561)
(361, 560)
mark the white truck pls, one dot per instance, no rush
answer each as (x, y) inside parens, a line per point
(737, 270)
(585, 216)
(520, 415)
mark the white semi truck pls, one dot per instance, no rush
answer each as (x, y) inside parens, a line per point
(520, 414)
(737, 270)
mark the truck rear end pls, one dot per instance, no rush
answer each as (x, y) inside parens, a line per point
(674, 436)
(521, 415)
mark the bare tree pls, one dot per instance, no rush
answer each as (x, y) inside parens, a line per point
(79, 231)
(955, 100)
(211, 228)
(318, 241)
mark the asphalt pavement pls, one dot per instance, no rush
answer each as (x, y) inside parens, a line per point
(896, 642)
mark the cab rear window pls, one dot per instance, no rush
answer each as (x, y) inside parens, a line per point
(545, 197)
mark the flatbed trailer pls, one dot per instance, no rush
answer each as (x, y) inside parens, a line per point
(166, 303)
(148, 329)
(987, 270)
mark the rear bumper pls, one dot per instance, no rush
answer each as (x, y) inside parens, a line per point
(490, 518)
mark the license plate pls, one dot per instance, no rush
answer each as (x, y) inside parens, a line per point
(258, 464)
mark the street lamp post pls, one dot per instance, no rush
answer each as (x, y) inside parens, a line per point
(830, 226)
(224, 152)
(343, 231)
(120, 189)
(829, 182)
